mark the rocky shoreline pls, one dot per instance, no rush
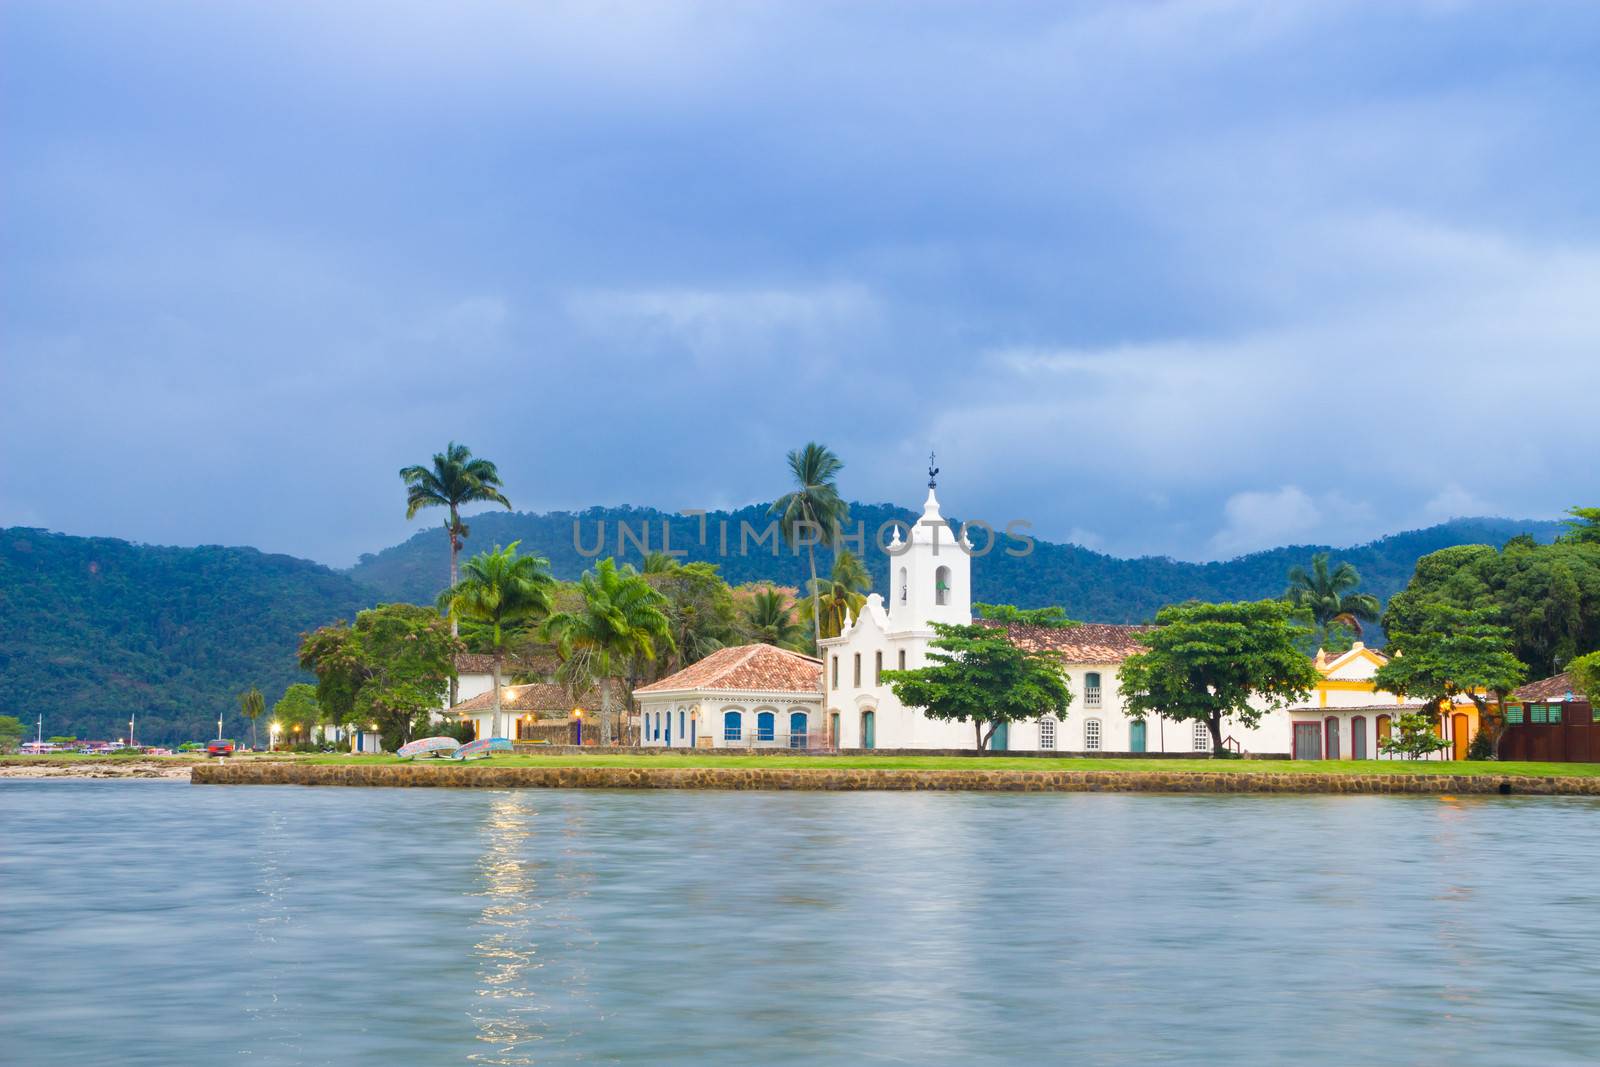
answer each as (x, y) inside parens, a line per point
(98, 768)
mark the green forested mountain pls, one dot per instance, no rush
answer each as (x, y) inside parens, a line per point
(92, 629)
(1090, 585)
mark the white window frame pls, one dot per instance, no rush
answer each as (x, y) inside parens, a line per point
(1093, 735)
(1202, 736)
(1047, 732)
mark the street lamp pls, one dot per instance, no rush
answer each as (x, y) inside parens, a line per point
(272, 733)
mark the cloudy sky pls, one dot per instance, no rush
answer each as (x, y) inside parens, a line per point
(1190, 277)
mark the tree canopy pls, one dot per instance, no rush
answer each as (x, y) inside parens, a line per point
(812, 513)
(1053, 617)
(1586, 676)
(297, 711)
(1547, 596)
(620, 619)
(10, 732)
(1329, 596)
(1209, 662)
(975, 674)
(1454, 652)
(392, 667)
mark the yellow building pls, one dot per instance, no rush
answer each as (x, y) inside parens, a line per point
(1347, 691)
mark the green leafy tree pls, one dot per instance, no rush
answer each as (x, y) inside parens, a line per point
(1329, 595)
(620, 618)
(1054, 618)
(1584, 526)
(977, 675)
(1586, 676)
(391, 668)
(1209, 662)
(659, 563)
(10, 733)
(1414, 736)
(770, 621)
(1548, 596)
(504, 593)
(1455, 652)
(841, 596)
(251, 705)
(702, 615)
(297, 711)
(812, 511)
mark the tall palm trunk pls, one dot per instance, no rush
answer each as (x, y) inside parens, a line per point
(494, 730)
(605, 710)
(816, 611)
(455, 624)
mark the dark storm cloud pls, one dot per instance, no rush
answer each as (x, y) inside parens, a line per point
(1189, 277)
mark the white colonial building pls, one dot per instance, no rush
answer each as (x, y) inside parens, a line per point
(747, 696)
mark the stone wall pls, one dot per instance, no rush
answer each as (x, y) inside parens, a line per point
(779, 750)
(486, 775)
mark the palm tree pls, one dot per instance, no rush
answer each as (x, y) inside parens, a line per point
(251, 705)
(620, 618)
(843, 593)
(814, 501)
(454, 479)
(503, 592)
(1329, 595)
(660, 563)
(770, 621)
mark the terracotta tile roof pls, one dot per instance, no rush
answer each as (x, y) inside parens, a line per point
(540, 696)
(1555, 687)
(754, 668)
(1088, 642)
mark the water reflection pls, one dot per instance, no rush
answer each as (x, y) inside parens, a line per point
(344, 926)
(506, 951)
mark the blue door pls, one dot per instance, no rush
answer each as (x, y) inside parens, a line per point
(869, 731)
(1136, 736)
(797, 729)
(997, 743)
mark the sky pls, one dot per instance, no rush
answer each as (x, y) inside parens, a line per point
(1189, 278)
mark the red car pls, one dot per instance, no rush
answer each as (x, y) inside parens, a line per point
(220, 747)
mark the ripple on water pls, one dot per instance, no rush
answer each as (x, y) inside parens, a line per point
(149, 923)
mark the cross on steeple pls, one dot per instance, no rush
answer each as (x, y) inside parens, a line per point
(933, 472)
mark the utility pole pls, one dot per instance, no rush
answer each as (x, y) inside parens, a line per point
(130, 729)
(38, 739)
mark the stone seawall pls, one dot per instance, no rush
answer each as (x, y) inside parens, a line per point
(856, 779)
(784, 750)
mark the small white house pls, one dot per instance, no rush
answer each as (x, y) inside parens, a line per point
(747, 696)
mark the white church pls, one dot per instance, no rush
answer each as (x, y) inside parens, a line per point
(756, 696)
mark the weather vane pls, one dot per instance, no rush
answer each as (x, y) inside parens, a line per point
(933, 472)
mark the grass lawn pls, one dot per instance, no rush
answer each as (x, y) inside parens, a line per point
(965, 763)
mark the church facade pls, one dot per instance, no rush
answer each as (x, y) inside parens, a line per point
(930, 580)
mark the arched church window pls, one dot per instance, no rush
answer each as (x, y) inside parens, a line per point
(941, 585)
(903, 585)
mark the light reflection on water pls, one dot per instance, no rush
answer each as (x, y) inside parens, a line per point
(158, 923)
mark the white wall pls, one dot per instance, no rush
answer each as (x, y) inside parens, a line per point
(678, 711)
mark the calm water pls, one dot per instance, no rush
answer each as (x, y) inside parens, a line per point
(159, 923)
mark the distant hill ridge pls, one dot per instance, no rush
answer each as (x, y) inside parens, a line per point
(93, 629)
(1091, 585)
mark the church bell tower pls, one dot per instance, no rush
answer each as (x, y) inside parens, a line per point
(930, 572)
